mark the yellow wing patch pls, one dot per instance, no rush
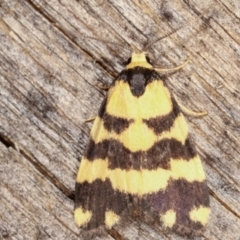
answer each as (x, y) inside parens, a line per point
(169, 218)
(122, 103)
(92, 170)
(82, 216)
(190, 170)
(200, 214)
(142, 181)
(111, 218)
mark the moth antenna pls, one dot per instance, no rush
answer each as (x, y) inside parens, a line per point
(158, 39)
(106, 41)
(174, 68)
(135, 49)
(174, 31)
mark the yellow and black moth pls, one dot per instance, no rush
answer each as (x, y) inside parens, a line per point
(140, 156)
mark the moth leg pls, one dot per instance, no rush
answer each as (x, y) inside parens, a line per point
(90, 119)
(105, 88)
(190, 112)
(175, 68)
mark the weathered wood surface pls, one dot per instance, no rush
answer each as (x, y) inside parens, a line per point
(48, 74)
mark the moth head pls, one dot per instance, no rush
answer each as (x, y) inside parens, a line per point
(139, 59)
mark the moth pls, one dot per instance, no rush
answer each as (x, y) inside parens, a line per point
(140, 158)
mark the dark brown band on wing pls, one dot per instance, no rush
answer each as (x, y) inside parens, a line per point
(115, 124)
(158, 155)
(163, 123)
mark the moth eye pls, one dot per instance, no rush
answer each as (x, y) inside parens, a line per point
(128, 61)
(148, 60)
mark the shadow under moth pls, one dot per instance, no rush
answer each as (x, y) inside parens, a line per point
(140, 158)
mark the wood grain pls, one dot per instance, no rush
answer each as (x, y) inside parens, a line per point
(48, 77)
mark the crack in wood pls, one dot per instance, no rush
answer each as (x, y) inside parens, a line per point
(7, 141)
(47, 174)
